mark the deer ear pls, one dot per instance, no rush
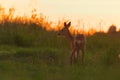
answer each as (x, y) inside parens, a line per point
(65, 24)
(69, 24)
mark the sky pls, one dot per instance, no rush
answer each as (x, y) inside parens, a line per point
(83, 7)
(91, 13)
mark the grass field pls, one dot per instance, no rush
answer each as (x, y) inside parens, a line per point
(28, 52)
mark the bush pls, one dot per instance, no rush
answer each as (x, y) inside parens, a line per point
(112, 29)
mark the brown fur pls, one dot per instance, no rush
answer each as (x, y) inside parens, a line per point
(77, 42)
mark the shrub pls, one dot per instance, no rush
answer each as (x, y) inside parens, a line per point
(112, 29)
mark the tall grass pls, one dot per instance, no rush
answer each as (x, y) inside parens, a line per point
(29, 52)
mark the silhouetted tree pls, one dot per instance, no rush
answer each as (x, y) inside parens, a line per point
(112, 29)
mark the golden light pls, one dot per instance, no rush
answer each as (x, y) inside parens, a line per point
(85, 15)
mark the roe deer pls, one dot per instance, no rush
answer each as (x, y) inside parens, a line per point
(77, 42)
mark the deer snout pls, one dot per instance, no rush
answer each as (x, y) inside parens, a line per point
(58, 33)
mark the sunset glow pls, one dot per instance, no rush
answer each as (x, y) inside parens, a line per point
(87, 14)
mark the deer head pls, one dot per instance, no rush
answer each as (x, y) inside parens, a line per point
(65, 29)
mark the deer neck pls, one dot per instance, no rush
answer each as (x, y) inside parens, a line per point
(69, 37)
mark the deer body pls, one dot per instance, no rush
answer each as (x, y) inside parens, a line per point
(77, 42)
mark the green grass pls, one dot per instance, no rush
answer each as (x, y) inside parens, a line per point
(28, 52)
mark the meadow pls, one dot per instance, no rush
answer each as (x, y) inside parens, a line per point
(29, 52)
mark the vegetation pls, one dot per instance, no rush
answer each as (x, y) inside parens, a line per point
(112, 29)
(28, 52)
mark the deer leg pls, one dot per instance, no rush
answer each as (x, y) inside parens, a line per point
(77, 58)
(72, 57)
(77, 53)
(83, 53)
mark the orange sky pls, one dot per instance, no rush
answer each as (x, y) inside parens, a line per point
(91, 13)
